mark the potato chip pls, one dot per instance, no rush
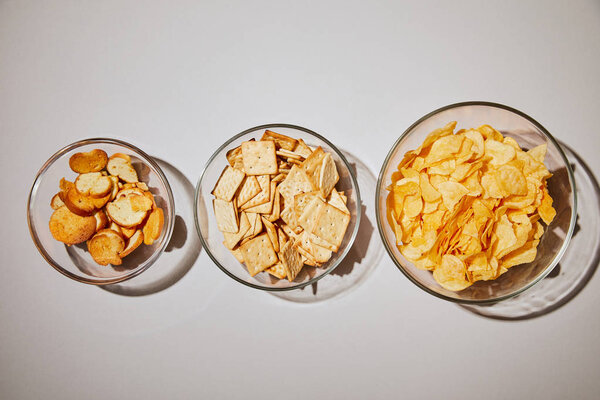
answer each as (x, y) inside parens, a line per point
(466, 205)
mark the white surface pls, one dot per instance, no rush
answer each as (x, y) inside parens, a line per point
(176, 79)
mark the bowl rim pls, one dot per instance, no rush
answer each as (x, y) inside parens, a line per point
(558, 255)
(341, 256)
(154, 257)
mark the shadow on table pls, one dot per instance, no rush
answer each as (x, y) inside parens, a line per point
(183, 248)
(567, 279)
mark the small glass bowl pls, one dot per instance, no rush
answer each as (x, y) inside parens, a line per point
(75, 261)
(561, 186)
(212, 238)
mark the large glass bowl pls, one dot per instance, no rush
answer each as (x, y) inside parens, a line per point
(528, 133)
(75, 261)
(212, 238)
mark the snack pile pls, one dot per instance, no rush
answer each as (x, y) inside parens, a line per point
(277, 205)
(467, 205)
(106, 206)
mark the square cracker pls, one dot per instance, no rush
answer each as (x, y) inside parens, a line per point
(331, 225)
(272, 233)
(258, 254)
(248, 190)
(310, 214)
(228, 183)
(255, 225)
(277, 270)
(234, 157)
(259, 158)
(301, 200)
(312, 166)
(282, 141)
(302, 149)
(237, 253)
(295, 182)
(288, 216)
(320, 242)
(232, 239)
(328, 176)
(276, 211)
(336, 200)
(263, 196)
(291, 260)
(265, 208)
(226, 216)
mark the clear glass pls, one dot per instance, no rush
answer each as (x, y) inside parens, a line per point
(212, 238)
(528, 133)
(75, 261)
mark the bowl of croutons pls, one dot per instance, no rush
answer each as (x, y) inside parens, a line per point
(100, 211)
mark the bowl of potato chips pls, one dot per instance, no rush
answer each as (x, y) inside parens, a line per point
(476, 202)
(277, 207)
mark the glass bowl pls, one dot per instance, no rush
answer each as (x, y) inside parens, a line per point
(528, 133)
(212, 238)
(75, 261)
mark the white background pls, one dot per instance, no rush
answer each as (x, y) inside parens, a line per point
(177, 79)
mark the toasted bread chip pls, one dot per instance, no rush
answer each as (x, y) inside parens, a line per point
(105, 247)
(115, 227)
(259, 158)
(258, 254)
(122, 212)
(56, 202)
(115, 187)
(128, 232)
(290, 258)
(119, 166)
(133, 243)
(101, 220)
(93, 184)
(153, 226)
(282, 141)
(122, 156)
(92, 161)
(70, 228)
(78, 203)
(228, 183)
(141, 203)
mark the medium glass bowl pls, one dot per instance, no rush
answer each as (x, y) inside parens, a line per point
(75, 261)
(212, 238)
(561, 186)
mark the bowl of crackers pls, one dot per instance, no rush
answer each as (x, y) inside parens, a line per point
(100, 211)
(476, 202)
(277, 207)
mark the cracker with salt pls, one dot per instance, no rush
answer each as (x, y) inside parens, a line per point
(234, 157)
(258, 254)
(248, 190)
(274, 216)
(259, 158)
(296, 182)
(328, 176)
(291, 260)
(226, 216)
(282, 238)
(320, 254)
(228, 183)
(232, 239)
(289, 217)
(263, 196)
(320, 242)
(237, 253)
(331, 225)
(282, 141)
(301, 200)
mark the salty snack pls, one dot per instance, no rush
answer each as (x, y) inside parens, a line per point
(110, 209)
(467, 205)
(277, 206)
